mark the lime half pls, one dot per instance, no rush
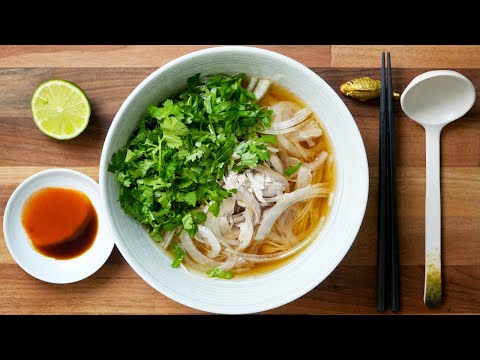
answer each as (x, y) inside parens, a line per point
(60, 109)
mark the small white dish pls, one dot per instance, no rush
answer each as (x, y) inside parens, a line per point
(20, 246)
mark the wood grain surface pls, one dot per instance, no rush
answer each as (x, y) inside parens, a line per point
(109, 73)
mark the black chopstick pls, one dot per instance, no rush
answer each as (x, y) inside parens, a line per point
(392, 197)
(382, 197)
(387, 255)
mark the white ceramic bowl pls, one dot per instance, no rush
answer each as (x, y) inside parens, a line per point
(238, 296)
(38, 265)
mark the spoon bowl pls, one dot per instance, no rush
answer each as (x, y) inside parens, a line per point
(438, 97)
(433, 100)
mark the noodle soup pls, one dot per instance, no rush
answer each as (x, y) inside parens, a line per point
(231, 177)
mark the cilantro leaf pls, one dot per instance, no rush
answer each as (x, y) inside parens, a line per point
(292, 169)
(249, 159)
(215, 208)
(178, 254)
(130, 156)
(189, 225)
(271, 139)
(216, 272)
(190, 198)
(195, 155)
(173, 129)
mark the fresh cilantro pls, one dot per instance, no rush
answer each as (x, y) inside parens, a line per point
(188, 224)
(174, 162)
(216, 272)
(292, 169)
(178, 254)
(249, 160)
(271, 139)
(173, 129)
(215, 208)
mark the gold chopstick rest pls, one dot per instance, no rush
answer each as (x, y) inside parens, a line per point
(364, 89)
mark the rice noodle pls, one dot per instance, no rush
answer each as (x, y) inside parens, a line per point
(278, 239)
(285, 201)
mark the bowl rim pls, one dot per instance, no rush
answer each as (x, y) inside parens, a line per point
(104, 161)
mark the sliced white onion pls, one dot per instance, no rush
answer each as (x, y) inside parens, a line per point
(193, 265)
(289, 125)
(167, 237)
(246, 231)
(304, 177)
(229, 264)
(309, 130)
(261, 88)
(289, 146)
(211, 240)
(284, 110)
(291, 161)
(254, 258)
(252, 83)
(195, 254)
(224, 225)
(284, 202)
(314, 165)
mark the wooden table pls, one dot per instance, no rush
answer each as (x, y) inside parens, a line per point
(109, 73)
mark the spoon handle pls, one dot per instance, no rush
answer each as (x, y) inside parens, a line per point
(433, 280)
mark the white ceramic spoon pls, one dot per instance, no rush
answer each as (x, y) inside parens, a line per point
(434, 99)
